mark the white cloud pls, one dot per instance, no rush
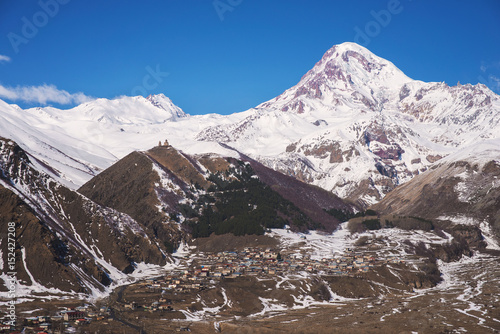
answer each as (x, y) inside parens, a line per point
(490, 76)
(4, 58)
(495, 83)
(42, 94)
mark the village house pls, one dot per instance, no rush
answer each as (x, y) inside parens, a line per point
(81, 321)
(132, 305)
(73, 315)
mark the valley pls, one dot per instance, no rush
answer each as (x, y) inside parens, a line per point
(254, 289)
(358, 200)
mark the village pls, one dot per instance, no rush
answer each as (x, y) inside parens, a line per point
(64, 321)
(204, 272)
(260, 263)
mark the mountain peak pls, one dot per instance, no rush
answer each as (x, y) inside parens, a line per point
(347, 74)
(348, 46)
(158, 97)
(163, 102)
(349, 61)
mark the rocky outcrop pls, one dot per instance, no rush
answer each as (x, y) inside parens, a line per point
(327, 149)
(433, 158)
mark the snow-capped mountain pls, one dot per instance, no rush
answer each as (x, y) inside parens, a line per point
(80, 142)
(348, 74)
(354, 124)
(111, 198)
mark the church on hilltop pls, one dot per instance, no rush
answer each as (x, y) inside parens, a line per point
(165, 144)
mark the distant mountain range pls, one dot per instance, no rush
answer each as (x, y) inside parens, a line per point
(354, 125)
(108, 195)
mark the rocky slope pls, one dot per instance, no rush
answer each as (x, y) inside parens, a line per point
(163, 187)
(463, 189)
(64, 241)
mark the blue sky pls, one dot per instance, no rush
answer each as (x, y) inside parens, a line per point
(226, 56)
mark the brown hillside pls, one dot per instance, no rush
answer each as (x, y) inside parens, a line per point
(456, 189)
(129, 186)
(181, 165)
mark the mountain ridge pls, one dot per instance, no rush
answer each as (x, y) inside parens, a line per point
(354, 121)
(366, 183)
(86, 246)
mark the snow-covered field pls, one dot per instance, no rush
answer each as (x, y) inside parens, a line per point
(469, 289)
(319, 245)
(316, 244)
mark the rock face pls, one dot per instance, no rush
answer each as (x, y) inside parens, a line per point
(46, 254)
(65, 240)
(464, 192)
